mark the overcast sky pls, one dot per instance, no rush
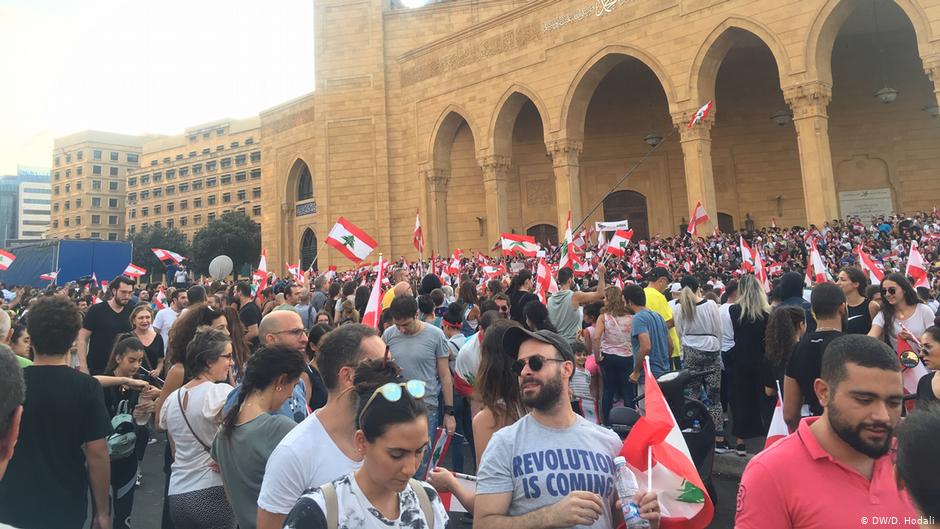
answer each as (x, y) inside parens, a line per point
(141, 66)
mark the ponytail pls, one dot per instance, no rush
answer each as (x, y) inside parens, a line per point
(687, 302)
(264, 368)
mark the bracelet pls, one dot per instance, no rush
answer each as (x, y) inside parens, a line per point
(448, 410)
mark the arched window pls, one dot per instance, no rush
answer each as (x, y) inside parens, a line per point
(545, 234)
(308, 248)
(304, 184)
(631, 206)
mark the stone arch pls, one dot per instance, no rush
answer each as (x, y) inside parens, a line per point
(293, 218)
(828, 22)
(308, 248)
(510, 104)
(444, 132)
(630, 205)
(545, 234)
(299, 169)
(713, 50)
(578, 97)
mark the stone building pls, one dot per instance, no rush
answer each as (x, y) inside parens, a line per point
(491, 116)
(187, 180)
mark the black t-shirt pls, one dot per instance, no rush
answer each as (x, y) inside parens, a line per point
(105, 325)
(46, 483)
(517, 302)
(806, 365)
(250, 315)
(858, 319)
(317, 390)
(154, 352)
(925, 389)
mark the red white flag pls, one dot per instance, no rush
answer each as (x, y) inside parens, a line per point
(351, 241)
(6, 259)
(699, 216)
(773, 222)
(543, 280)
(778, 427)
(492, 272)
(868, 265)
(816, 267)
(567, 255)
(524, 244)
(50, 276)
(618, 243)
(373, 314)
(168, 256)
(159, 299)
(683, 500)
(418, 237)
(133, 271)
(747, 255)
(261, 274)
(294, 271)
(917, 267)
(701, 114)
(453, 267)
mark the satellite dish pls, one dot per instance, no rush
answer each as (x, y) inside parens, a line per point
(220, 267)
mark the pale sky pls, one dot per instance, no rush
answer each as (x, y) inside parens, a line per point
(139, 66)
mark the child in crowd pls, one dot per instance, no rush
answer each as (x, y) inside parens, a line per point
(581, 388)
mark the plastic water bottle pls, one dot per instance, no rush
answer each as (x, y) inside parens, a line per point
(626, 489)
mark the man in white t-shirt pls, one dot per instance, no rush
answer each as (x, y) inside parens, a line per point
(320, 449)
(167, 315)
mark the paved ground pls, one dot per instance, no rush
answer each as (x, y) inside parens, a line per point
(148, 501)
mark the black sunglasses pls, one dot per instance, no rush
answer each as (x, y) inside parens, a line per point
(535, 363)
(889, 290)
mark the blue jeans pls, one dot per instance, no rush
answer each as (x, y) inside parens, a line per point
(616, 371)
(465, 429)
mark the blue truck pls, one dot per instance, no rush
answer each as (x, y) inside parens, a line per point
(73, 258)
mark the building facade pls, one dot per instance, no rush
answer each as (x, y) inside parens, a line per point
(25, 204)
(186, 181)
(89, 179)
(504, 115)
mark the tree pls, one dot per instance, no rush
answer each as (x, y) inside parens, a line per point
(157, 237)
(233, 234)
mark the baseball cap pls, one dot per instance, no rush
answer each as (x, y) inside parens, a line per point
(514, 337)
(658, 272)
(675, 287)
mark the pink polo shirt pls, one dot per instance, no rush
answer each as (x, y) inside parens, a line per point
(796, 484)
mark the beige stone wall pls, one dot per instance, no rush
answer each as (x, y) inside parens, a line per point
(401, 94)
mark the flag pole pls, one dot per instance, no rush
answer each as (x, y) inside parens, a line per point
(649, 469)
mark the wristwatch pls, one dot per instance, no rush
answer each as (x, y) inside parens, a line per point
(448, 410)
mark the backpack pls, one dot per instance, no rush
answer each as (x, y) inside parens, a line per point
(121, 443)
(332, 504)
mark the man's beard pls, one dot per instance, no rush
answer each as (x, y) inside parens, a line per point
(547, 396)
(852, 435)
(121, 302)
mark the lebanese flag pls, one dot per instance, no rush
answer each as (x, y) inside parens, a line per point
(760, 271)
(373, 314)
(6, 259)
(418, 237)
(96, 300)
(701, 114)
(917, 267)
(94, 279)
(50, 276)
(351, 241)
(579, 267)
(167, 255)
(159, 299)
(261, 274)
(523, 244)
(618, 282)
(493, 272)
(453, 267)
(747, 255)
(773, 222)
(910, 375)
(778, 427)
(133, 271)
(868, 265)
(683, 500)
(816, 267)
(543, 280)
(451, 503)
(567, 255)
(294, 271)
(618, 243)
(699, 216)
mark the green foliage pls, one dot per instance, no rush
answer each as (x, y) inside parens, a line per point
(157, 237)
(233, 234)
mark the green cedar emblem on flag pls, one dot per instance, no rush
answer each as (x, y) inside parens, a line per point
(689, 493)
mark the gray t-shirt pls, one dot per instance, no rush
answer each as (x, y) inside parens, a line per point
(541, 465)
(243, 458)
(318, 299)
(564, 316)
(417, 356)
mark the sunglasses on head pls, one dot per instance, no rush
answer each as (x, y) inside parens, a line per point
(889, 290)
(535, 363)
(392, 392)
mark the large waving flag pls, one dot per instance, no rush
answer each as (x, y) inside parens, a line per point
(6, 259)
(747, 256)
(373, 314)
(683, 500)
(816, 270)
(418, 237)
(524, 244)
(133, 271)
(260, 275)
(778, 427)
(543, 280)
(168, 256)
(699, 216)
(567, 256)
(917, 267)
(868, 265)
(50, 276)
(351, 241)
(618, 243)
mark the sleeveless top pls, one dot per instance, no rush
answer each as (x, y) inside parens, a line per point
(858, 320)
(564, 316)
(616, 337)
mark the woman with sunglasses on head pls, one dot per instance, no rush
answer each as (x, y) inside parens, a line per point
(392, 436)
(861, 310)
(252, 428)
(903, 314)
(928, 387)
(191, 416)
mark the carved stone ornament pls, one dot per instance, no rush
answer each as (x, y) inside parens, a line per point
(540, 193)
(808, 99)
(564, 152)
(437, 179)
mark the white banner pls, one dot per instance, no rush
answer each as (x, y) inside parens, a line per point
(612, 226)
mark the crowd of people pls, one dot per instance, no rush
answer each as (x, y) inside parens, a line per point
(282, 410)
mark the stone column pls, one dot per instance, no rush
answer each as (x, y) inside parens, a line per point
(495, 172)
(566, 164)
(437, 180)
(808, 102)
(696, 145)
(287, 235)
(932, 67)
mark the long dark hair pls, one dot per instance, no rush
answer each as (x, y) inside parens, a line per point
(888, 310)
(518, 280)
(240, 349)
(126, 342)
(371, 375)
(468, 294)
(856, 275)
(264, 368)
(781, 335)
(497, 385)
(184, 328)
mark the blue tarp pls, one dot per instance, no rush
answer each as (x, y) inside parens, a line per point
(73, 259)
